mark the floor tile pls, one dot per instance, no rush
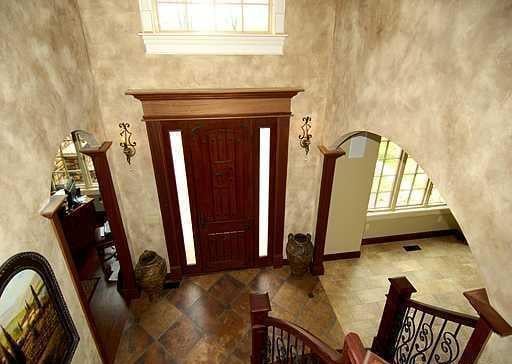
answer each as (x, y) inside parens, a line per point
(226, 289)
(155, 354)
(180, 338)
(134, 342)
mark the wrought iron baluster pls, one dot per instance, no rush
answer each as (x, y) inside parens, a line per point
(409, 328)
(446, 346)
(415, 337)
(434, 348)
(273, 342)
(425, 335)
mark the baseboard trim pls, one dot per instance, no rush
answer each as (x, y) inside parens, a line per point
(336, 256)
(422, 235)
(345, 255)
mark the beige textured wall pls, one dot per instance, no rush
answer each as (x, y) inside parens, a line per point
(46, 92)
(349, 199)
(119, 62)
(436, 78)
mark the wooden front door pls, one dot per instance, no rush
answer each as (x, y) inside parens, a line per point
(223, 175)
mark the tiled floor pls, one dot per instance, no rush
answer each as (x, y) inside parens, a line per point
(440, 272)
(207, 319)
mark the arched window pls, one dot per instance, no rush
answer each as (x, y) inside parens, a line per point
(399, 182)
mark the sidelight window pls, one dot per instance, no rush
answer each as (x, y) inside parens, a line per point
(264, 181)
(180, 174)
(399, 182)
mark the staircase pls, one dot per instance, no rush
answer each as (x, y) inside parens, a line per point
(410, 332)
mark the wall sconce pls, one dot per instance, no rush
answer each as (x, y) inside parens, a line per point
(126, 142)
(305, 138)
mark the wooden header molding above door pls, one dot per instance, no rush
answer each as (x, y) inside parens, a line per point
(179, 104)
(219, 131)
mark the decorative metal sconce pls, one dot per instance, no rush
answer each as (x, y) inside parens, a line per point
(126, 142)
(305, 138)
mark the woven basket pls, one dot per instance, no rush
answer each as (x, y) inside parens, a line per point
(150, 273)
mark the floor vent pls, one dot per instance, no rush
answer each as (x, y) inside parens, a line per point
(411, 248)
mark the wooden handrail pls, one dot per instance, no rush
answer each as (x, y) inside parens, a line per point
(397, 316)
(480, 301)
(354, 351)
(458, 317)
(317, 346)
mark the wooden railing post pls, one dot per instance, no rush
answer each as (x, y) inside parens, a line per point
(260, 307)
(394, 310)
(490, 321)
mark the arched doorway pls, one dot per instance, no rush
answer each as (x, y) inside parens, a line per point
(381, 194)
(84, 211)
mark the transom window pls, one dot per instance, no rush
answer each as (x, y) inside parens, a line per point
(399, 182)
(214, 15)
(213, 26)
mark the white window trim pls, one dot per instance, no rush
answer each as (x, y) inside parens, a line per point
(189, 43)
(411, 212)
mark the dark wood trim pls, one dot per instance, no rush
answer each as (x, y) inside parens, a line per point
(50, 211)
(217, 93)
(410, 236)
(108, 194)
(169, 208)
(345, 255)
(164, 109)
(480, 301)
(324, 202)
(336, 256)
(281, 172)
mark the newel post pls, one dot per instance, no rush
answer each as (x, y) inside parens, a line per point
(394, 310)
(260, 307)
(489, 321)
(324, 202)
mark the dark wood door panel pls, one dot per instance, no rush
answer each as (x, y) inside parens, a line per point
(221, 158)
(228, 250)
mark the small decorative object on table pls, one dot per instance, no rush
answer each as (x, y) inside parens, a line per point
(150, 273)
(299, 251)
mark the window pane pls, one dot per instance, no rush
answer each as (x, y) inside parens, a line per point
(375, 184)
(382, 149)
(406, 183)
(394, 150)
(402, 198)
(172, 16)
(390, 167)
(371, 202)
(410, 166)
(416, 197)
(200, 16)
(383, 200)
(386, 184)
(180, 174)
(256, 18)
(435, 197)
(264, 190)
(420, 181)
(378, 167)
(228, 18)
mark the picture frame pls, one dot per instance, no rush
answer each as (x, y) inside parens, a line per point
(35, 324)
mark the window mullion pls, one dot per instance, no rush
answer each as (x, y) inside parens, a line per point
(380, 174)
(428, 192)
(412, 184)
(155, 16)
(398, 180)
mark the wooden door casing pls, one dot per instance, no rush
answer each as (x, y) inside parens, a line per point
(221, 158)
(166, 110)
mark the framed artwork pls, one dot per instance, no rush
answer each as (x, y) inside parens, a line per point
(35, 325)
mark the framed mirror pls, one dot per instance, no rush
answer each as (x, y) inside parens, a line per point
(35, 325)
